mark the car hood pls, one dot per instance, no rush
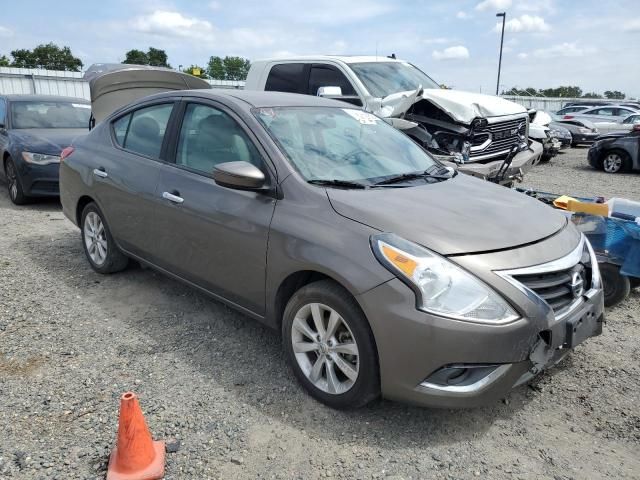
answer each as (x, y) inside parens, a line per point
(461, 106)
(460, 215)
(49, 141)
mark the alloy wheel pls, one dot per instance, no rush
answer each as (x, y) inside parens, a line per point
(95, 238)
(612, 163)
(325, 348)
(12, 179)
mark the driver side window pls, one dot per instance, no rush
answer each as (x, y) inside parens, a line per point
(209, 136)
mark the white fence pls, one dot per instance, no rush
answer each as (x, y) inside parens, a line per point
(550, 104)
(67, 84)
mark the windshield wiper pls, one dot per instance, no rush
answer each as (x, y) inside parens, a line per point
(336, 183)
(413, 176)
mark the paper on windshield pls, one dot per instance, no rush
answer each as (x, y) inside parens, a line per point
(80, 105)
(364, 118)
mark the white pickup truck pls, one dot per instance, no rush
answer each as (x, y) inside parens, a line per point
(476, 132)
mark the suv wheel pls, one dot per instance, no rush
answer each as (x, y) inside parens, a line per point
(102, 252)
(615, 161)
(329, 345)
(16, 194)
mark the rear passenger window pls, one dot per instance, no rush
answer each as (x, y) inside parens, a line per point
(287, 77)
(143, 130)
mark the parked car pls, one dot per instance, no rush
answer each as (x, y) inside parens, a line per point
(625, 125)
(472, 131)
(601, 114)
(33, 131)
(562, 134)
(334, 228)
(616, 152)
(572, 109)
(582, 131)
(540, 131)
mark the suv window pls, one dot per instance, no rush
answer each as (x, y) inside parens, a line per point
(142, 131)
(287, 77)
(328, 76)
(209, 136)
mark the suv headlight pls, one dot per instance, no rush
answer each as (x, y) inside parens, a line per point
(441, 287)
(40, 158)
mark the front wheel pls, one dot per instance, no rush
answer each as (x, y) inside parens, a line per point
(16, 194)
(615, 162)
(616, 286)
(99, 246)
(329, 345)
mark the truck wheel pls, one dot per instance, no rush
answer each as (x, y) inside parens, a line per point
(616, 286)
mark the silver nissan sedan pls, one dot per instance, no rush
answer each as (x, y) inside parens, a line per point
(385, 272)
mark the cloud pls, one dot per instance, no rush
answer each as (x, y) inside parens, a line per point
(173, 24)
(632, 25)
(451, 53)
(536, 6)
(563, 50)
(462, 15)
(524, 23)
(493, 5)
(5, 32)
(523, 56)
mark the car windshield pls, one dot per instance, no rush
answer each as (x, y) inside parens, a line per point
(343, 144)
(384, 78)
(55, 114)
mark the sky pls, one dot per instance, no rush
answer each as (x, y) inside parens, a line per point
(589, 43)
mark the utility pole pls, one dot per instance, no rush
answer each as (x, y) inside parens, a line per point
(504, 18)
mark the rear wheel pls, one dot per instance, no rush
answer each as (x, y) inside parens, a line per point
(615, 161)
(99, 246)
(16, 194)
(329, 345)
(616, 286)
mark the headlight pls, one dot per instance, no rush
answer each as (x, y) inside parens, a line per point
(584, 130)
(40, 158)
(441, 287)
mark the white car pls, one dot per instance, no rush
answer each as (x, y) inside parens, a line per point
(626, 125)
(608, 113)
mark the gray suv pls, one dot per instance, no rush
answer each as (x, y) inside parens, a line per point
(385, 272)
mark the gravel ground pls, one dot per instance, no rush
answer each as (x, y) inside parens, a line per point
(71, 341)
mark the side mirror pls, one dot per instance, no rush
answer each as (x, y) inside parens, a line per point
(239, 176)
(329, 92)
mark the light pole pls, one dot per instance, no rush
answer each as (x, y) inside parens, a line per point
(504, 18)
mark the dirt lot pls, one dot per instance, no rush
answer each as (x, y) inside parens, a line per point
(71, 341)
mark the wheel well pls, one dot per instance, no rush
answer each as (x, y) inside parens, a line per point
(82, 202)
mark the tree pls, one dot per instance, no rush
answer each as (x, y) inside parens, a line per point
(228, 68)
(4, 61)
(190, 70)
(592, 95)
(615, 94)
(48, 56)
(154, 57)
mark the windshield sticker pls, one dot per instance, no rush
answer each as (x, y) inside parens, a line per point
(364, 118)
(80, 105)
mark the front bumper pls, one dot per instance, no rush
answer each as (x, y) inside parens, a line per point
(587, 138)
(414, 345)
(521, 164)
(40, 180)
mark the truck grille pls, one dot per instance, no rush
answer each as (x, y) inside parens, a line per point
(501, 135)
(559, 289)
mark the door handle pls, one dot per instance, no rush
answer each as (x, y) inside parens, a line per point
(99, 172)
(172, 198)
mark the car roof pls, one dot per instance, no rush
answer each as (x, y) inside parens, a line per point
(338, 58)
(42, 98)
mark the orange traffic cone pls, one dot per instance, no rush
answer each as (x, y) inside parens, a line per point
(136, 456)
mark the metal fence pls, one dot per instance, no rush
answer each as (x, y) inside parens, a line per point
(550, 104)
(67, 84)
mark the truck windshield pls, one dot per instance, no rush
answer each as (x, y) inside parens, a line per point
(342, 144)
(384, 78)
(55, 114)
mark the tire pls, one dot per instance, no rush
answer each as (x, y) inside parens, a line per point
(616, 286)
(335, 384)
(14, 186)
(99, 246)
(615, 161)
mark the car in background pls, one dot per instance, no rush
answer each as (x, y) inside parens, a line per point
(572, 109)
(562, 134)
(34, 129)
(616, 152)
(613, 113)
(336, 229)
(582, 131)
(626, 125)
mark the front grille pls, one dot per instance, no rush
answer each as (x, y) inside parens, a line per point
(502, 135)
(558, 288)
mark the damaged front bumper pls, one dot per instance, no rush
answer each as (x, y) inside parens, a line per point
(521, 164)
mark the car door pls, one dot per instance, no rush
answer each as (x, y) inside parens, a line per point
(126, 175)
(213, 236)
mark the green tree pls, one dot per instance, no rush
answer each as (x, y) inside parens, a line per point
(4, 61)
(203, 73)
(48, 56)
(228, 68)
(157, 57)
(215, 68)
(615, 94)
(136, 57)
(591, 95)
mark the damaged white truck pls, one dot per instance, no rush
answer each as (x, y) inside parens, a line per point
(483, 135)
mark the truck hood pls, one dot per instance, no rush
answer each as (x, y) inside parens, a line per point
(460, 215)
(49, 141)
(462, 106)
